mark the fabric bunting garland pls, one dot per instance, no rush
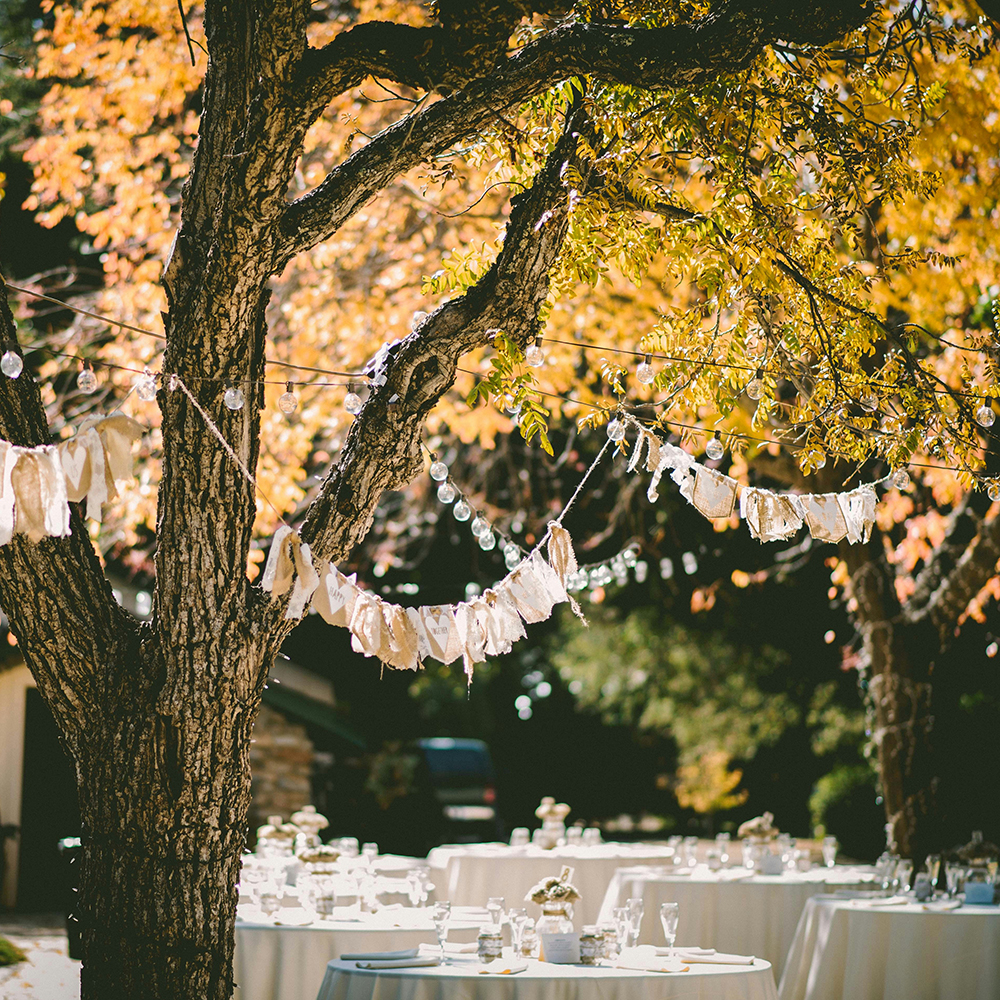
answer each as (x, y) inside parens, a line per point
(770, 517)
(401, 637)
(38, 484)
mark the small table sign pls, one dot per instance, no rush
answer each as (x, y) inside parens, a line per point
(560, 949)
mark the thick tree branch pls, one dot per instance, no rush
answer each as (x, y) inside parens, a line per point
(74, 635)
(383, 448)
(726, 41)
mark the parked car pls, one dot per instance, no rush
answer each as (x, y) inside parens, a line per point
(462, 780)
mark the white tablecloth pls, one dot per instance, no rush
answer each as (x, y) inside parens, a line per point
(470, 874)
(542, 981)
(755, 915)
(849, 950)
(275, 962)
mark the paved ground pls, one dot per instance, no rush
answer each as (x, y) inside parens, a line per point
(49, 973)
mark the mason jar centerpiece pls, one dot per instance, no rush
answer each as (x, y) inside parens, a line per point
(556, 897)
(759, 836)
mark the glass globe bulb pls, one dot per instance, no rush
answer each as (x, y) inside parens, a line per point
(86, 381)
(353, 403)
(145, 387)
(901, 479)
(869, 401)
(439, 472)
(511, 555)
(288, 402)
(479, 525)
(446, 493)
(233, 398)
(462, 511)
(630, 557)
(534, 356)
(616, 430)
(644, 373)
(755, 388)
(487, 541)
(11, 364)
(985, 416)
(714, 449)
(993, 491)
(819, 460)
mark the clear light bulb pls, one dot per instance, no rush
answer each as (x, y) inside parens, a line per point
(755, 387)
(446, 493)
(616, 430)
(479, 525)
(288, 402)
(644, 372)
(630, 557)
(869, 401)
(819, 459)
(985, 415)
(714, 448)
(487, 541)
(145, 386)
(233, 398)
(86, 381)
(11, 363)
(352, 401)
(462, 511)
(511, 555)
(534, 356)
(901, 479)
(438, 471)
(993, 491)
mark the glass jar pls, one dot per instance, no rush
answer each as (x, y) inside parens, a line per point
(979, 885)
(590, 945)
(490, 942)
(529, 940)
(555, 919)
(608, 941)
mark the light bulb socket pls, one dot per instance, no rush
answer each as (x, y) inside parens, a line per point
(538, 340)
(289, 386)
(647, 359)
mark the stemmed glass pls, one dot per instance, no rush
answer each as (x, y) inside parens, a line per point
(620, 917)
(830, 847)
(440, 915)
(635, 911)
(670, 913)
(518, 917)
(494, 906)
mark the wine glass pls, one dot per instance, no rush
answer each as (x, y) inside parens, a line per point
(440, 915)
(494, 906)
(722, 843)
(635, 911)
(670, 914)
(518, 917)
(620, 917)
(369, 852)
(830, 847)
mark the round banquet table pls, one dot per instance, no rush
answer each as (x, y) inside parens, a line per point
(468, 874)
(729, 910)
(461, 980)
(852, 950)
(276, 961)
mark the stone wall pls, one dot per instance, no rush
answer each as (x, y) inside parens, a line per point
(281, 763)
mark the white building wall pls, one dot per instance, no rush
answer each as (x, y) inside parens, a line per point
(14, 681)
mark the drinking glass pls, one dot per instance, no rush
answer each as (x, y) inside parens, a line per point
(620, 916)
(574, 836)
(440, 915)
(690, 851)
(670, 914)
(722, 843)
(269, 898)
(888, 865)
(592, 836)
(370, 852)
(830, 848)
(953, 879)
(494, 906)
(518, 917)
(922, 889)
(749, 854)
(635, 911)
(903, 876)
(933, 866)
(786, 850)
(348, 846)
(519, 836)
(415, 888)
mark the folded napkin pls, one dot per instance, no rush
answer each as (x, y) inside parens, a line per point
(718, 958)
(502, 967)
(889, 901)
(456, 948)
(952, 904)
(379, 956)
(650, 963)
(400, 963)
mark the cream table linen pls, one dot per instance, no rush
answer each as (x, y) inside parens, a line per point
(850, 950)
(462, 980)
(728, 910)
(275, 962)
(470, 874)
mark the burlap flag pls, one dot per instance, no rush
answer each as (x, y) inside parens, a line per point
(499, 620)
(770, 516)
(334, 598)
(714, 494)
(859, 511)
(530, 597)
(8, 459)
(442, 632)
(824, 516)
(562, 558)
(41, 507)
(423, 643)
(403, 644)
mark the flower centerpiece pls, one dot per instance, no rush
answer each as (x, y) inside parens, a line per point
(553, 816)
(319, 858)
(761, 834)
(760, 829)
(555, 896)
